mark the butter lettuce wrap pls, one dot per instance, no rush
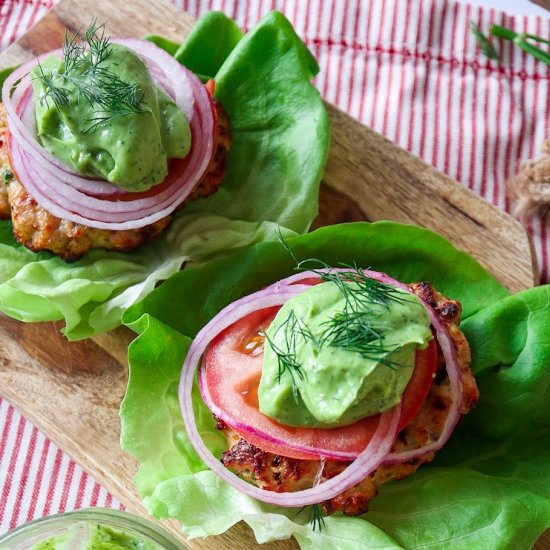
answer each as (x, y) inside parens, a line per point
(487, 488)
(279, 147)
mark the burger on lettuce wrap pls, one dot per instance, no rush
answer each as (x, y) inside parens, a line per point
(256, 140)
(292, 462)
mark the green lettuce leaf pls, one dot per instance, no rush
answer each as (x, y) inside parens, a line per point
(511, 351)
(209, 44)
(495, 471)
(406, 252)
(279, 148)
(488, 488)
(91, 294)
(162, 42)
(4, 73)
(172, 479)
(275, 141)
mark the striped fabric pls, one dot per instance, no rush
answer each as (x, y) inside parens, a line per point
(36, 477)
(408, 68)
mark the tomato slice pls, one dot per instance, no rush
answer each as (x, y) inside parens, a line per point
(233, 364)
(175, 168)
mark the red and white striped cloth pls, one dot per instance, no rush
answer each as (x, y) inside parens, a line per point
(408, 68)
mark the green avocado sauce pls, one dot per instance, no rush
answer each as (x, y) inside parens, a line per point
(127, 142)
(93, 536)
(339, 352)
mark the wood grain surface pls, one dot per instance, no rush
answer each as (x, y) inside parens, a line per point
(72, 391)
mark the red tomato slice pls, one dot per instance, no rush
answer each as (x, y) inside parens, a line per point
(175, 168)
(233, 364)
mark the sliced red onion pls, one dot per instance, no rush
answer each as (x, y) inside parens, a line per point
(455, 386)
(95, 202)
(314, 274)
(66, 197)
(445, 342)
(372, 456)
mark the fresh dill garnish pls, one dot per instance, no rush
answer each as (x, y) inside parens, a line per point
(99, 44)
(316, 520)
(286, 355)
(73, 51)
(56, 93)
(357, 327)
(83, 68)
(359, 290)
(355, 331)
(483, 42)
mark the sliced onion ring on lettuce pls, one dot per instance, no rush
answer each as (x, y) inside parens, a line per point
(377, 450)
(96, 203)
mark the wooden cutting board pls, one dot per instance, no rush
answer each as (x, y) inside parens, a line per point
(72, 391)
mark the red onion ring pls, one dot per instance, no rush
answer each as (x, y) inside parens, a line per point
(103, 210)
(455, 385)
(95, 202)
(445, 342)
(373, 455)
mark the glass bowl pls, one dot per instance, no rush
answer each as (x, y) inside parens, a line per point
(70, 528)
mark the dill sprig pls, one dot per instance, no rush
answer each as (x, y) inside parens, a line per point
(527, 42)
(286, 355)
(99, 44)
(359, 290)
(358, 327)
(316, 520)
(355, 331)
(105, 92)
(73, 51)
(483, 42)
(56, 93)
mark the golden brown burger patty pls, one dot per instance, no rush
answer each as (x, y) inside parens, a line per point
(278, 473)
(37, 229)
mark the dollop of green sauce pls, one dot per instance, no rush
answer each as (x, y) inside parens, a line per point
(130, 149)
(332, 357)
(94, 536)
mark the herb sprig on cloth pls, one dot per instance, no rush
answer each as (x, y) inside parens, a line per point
(527, 42)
